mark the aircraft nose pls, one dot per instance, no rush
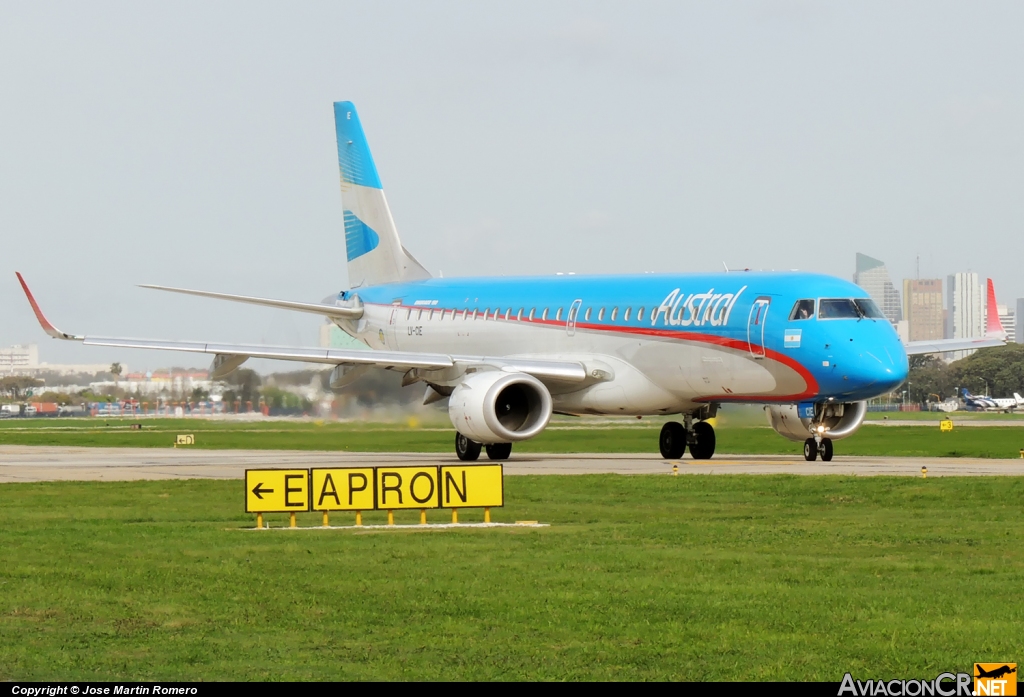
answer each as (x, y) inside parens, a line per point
(880, 369)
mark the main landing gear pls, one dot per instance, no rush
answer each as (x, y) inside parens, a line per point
(675, 438)
(469, 450)
(812, 449)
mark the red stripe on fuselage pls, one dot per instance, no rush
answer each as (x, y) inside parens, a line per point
(678, 335)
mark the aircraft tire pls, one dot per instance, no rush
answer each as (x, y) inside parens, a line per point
(826, 449)
(672, 440)
(704, 447)
(466, 449)
(810, 450)
(499, 451)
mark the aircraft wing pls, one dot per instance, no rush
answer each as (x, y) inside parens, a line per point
(915, 348)
(317, 308)
(544, 370)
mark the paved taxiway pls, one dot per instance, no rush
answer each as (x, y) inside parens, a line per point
(37, 463)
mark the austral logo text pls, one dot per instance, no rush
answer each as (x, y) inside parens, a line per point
(696, 309)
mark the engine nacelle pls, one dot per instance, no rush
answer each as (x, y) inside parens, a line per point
(839, 420)
(499, 407)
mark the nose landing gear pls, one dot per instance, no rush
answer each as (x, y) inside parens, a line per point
(813, 448)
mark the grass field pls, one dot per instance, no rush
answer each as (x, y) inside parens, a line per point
(562, 437)
(642, 577)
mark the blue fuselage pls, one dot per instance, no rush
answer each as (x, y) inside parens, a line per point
(671, 340)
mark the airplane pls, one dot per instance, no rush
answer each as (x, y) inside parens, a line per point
(985, 403)
(508, 353)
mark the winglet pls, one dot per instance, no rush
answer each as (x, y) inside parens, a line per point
(44, 323)
(994, 326)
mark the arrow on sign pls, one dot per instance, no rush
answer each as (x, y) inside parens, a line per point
(259, 492)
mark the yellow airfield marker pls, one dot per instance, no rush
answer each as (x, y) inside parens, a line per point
(326, 523)
(291, 521)
(423, 516)
(455, 516)
(924, 473)
(391, 517)
(487, 515)
(359, 518)
(259, 520)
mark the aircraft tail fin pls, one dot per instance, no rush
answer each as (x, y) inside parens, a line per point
(375, 253)
(994, 326)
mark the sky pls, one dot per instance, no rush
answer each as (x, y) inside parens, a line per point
(192, 144)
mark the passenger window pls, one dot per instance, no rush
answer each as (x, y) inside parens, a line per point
(639, 314)
(558, 314)
(419, 315)
(586, 315)
(600, 314)
(409, 314)
(615, 312)
(803, 309)
(625, 315)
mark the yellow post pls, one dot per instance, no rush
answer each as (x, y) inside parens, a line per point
(423, 516)
(326, 524)
(924, 473)
(359, 518)
(675, 470)
(1022, 453)
(455, 515)
(291, 521)
(487, 515)
(391, 517)
(259, 520)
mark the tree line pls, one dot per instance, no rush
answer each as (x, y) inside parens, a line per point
(998, 372)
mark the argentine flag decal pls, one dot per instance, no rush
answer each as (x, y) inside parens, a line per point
(792, 338)
(359, 237)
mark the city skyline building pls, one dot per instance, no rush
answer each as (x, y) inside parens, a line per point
(1009, 321)
(872, 276)
(923, 310)
(1019, 333)
(966, 308)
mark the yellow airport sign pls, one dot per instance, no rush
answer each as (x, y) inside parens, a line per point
(276, 491)
(472, 486)
(407, 487)
(945, 425)
(343, 489)
(184, 439)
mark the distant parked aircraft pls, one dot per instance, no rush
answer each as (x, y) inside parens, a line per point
(986, 403)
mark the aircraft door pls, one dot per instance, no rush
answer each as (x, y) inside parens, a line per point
(755, 326)
(570, 322)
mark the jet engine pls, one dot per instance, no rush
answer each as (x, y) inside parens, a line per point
(499, 407)
(838, 420)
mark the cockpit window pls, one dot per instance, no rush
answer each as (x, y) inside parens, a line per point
(848, 308)
(803, 309)
(869, 308)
